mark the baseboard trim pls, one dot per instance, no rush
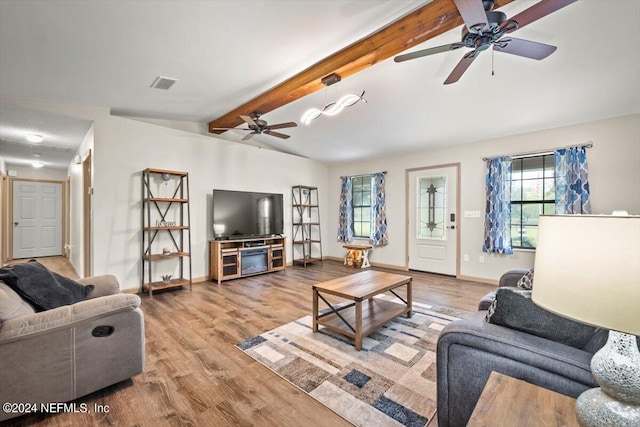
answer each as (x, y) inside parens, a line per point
(373, 264)
(478, 279)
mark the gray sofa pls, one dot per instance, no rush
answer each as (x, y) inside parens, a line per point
(468, 350)
(67, 352)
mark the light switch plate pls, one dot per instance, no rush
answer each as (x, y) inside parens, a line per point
(472, 214)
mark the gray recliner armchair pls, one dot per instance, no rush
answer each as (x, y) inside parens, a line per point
(468, 350)
(65, 353)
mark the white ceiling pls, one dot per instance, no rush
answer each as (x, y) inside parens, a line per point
(107, 53)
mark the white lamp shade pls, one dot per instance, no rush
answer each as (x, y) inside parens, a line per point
(587, 268)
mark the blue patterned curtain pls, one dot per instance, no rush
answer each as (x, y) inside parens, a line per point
(378, 211)
(572, 184)
(345, 211)
(497, 219)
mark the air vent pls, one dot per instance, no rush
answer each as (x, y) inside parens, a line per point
(163, 83)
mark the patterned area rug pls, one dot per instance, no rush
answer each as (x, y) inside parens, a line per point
(391, 382)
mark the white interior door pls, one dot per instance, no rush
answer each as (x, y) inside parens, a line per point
(432, 220)
(37, 219)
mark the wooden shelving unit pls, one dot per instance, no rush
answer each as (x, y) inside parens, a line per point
(232, 259)
(306, 235)
(158, 231)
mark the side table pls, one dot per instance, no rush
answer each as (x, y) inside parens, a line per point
(506, 401)
(357, 255)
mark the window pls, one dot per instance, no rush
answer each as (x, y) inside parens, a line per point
(361, 188)
(533, 193)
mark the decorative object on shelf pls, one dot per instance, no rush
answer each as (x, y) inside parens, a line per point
(587, 269)
(163, 223)
(166, 250)
(332, 108)
(218, 230)
(166, 278)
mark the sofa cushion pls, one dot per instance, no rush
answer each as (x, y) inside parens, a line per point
(11, 305)
(42, 288)
(514, 309)
(526, 281)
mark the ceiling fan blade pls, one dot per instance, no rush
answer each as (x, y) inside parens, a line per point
(462, 66)
(249, 120)
(276, 134)
(228, 129)
(248, 136)
(472, 11)
(430, 51)
(526, 48)
(535, 12)
(283, 125)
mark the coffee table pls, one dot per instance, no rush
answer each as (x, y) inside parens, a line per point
(365, 314)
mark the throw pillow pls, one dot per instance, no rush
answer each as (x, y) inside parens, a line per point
(42, 288)
(526, 281)
(514, 309)
(11, 305)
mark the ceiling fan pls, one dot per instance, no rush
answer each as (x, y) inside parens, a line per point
(258, 126)
(485, 27)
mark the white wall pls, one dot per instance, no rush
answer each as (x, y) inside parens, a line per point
(76, 211)
(124, 147)
(29, 172)
(614, 173)
(3, 208)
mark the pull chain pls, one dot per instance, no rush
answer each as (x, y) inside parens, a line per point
(493, 52)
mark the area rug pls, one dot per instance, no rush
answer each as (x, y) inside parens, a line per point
(390, 382)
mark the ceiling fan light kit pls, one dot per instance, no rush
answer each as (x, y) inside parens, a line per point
(36, 139)
(485, 28)
(258, 126)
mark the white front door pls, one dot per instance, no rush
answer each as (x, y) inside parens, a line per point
(432, 220)
(37, 219)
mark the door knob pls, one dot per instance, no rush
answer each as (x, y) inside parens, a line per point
(452, 227)
(15, 224)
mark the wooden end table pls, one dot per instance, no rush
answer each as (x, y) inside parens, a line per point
(365, 314)
(506, 401)
(364, 254)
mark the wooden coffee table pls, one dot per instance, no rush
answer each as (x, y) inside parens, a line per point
(365, 314)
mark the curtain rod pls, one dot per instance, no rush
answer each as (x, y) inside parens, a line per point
(550, 151)
(363, 174)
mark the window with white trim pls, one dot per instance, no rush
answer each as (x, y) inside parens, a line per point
(361, 191)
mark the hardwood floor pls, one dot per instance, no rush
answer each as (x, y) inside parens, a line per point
(194, 376)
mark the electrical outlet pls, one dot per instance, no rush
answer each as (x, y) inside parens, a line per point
(481, 259)
(466, 257)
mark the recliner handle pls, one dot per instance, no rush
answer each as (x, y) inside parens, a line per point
(102, 331)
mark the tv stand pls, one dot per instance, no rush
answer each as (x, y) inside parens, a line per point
(234, 258)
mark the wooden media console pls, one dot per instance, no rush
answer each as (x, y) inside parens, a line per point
(235, 258)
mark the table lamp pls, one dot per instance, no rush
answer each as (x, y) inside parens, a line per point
(587, 268)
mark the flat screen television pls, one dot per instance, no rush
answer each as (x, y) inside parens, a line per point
(238, 214)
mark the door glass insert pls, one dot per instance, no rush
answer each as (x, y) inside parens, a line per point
(432, 206)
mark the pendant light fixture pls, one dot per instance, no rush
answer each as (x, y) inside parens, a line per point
(332, 108)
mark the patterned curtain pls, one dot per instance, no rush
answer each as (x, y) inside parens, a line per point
(345, 211)
(497, 219)
(572, 184)
(378, 211)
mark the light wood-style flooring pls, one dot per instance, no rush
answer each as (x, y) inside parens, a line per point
(194, 376)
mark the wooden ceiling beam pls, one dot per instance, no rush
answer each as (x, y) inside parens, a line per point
(417, 27)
